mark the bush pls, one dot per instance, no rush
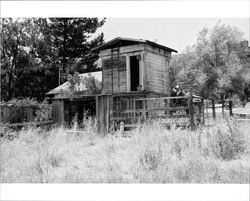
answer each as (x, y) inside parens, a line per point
(225, 141)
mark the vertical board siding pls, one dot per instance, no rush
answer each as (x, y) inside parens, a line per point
(119, 74)
(103, 112)
(157, 73)
(55, 110)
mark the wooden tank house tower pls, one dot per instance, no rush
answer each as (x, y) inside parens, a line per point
(132, 66)
(136, 83)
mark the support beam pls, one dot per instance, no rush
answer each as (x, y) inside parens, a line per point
(213, 109)
(128, 73)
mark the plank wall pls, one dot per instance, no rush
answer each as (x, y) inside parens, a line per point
(157, 73)
(156, 69)
(119, 82)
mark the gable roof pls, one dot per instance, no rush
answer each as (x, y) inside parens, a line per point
(119, 41)
(81, 87)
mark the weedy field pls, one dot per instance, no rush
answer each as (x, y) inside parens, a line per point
(153, 154)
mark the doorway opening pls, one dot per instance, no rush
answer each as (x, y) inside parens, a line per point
(135, 73)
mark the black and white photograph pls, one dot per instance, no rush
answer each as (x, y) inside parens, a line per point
(124, 100)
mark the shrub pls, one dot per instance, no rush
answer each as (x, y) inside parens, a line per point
(225, 141)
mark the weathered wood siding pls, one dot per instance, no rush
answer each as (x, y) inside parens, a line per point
(103, 112)
(116, 81)
(124, 50)
(58, 111)
(157, 51)
(154, 64)
(157, 73)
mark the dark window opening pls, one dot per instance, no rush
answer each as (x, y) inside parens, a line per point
(134, 73)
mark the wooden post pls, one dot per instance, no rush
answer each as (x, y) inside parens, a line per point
(61, 112)
(128, 73)
(230, 107)
(143, 70)
(111, 107)
(97, 113)
(203, 111)
(103, 113)
(107, 113)
(213, 109)
(191, 112)
(134, 108)
(223, 107)
(112, 81)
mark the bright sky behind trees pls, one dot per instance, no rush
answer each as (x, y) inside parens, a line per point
(176, 33)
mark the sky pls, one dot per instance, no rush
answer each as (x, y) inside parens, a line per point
(176, 33)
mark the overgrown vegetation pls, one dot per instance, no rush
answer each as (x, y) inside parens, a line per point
(34, 50)
(216, 65)
(92, 85)
(153, 154)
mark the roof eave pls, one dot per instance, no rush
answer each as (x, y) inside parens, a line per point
(111, 42)
(161, 46)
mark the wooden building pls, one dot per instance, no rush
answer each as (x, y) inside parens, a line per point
(66, 107)
(132, 65)
(135, 84)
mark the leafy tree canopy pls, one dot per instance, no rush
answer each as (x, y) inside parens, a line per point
(216, 65)
(34, 49)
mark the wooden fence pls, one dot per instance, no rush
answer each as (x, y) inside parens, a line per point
(216, 108)
(12, 115)
(26, 124)
(185, 111)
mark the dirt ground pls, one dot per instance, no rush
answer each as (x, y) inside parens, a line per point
(241, 110)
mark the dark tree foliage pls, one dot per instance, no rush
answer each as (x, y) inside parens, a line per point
(73, 40)
(34, 49)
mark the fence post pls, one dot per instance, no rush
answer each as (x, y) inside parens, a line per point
(203, 111)
(223, 107)
(213, 109)
(191, 112)
(230, 107)
(108, 114)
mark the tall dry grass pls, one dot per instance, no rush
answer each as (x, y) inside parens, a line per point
(153, 154)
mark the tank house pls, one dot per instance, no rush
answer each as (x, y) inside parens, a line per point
(131, 69)
(134, 65)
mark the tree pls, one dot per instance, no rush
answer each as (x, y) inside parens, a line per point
(33, 49)
(217, 50)
(17, 54)
(72, 37)
(217, 64)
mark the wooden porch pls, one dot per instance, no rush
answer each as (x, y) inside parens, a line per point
(114, 111)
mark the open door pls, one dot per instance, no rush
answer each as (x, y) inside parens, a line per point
(135, 73)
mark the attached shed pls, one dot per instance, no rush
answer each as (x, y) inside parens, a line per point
(65, 107)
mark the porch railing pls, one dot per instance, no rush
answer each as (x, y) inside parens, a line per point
(181, 110)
